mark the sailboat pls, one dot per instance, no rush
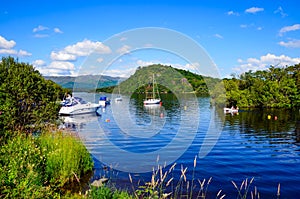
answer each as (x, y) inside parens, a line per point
(119, 98)
(152, 98)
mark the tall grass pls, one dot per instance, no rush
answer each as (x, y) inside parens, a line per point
(66, 158)
(37, 167)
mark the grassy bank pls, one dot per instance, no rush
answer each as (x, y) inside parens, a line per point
(39, 166)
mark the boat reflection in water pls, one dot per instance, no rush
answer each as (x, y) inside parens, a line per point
(155, 110)
(77, 122)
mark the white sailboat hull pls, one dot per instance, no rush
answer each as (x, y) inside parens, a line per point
(151, 101)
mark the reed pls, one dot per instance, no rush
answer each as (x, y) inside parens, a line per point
(163, 185)
(243, 189)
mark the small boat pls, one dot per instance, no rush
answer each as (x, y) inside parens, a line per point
(76, 105)
(151, 98)
(231, 110)
(103, 101)
(119, 98)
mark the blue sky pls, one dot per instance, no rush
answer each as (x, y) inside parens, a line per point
(239, 35)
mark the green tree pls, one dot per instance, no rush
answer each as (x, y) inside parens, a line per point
(274, 87)
(27, 100)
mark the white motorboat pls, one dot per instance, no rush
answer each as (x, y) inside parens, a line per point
(151, 97)
(231, 110)
(75, 105)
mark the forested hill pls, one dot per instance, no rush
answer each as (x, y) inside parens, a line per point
(85, 82)
(168, 79)
(274, 87)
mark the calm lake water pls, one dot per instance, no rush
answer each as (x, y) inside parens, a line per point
(133, 139)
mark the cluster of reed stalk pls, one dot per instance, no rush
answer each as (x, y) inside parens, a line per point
(163, 185)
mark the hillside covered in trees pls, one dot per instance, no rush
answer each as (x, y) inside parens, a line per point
(168, 79)
(84, 82)
(271, 88)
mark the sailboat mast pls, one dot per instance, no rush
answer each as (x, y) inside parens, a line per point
(153, 90)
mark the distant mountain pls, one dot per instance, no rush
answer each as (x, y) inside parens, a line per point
(85, 82)
(169, 79)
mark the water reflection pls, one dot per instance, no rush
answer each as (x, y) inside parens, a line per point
(297, 132)
(269, 123)
(77, 122)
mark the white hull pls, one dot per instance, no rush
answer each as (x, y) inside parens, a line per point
(151, 101)
(230, 110)
(79, 109)
(102, 103)
(118, 99)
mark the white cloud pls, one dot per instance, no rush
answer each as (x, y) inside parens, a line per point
(57, 30)
(124, 49)
(145, 63)
(280, 11)
(289, 28)
(86, 47)
(62, 56)
(6, 44)
(254, 10)
(100, 59)
(53, 72)
(119, 73)
(55, 68)
(252, 25)
(290, 44)
(6, 48)
(233, 13)
(38, 63)
(190, 67)
(61, 59)
(8, 51)
(218, 36)
(40, 28)
(40, 35)
(264, 62)
(83, 48)
(61, 65)
(23, 53)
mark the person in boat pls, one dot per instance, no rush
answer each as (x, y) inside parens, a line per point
(234, 108)
(69, 100)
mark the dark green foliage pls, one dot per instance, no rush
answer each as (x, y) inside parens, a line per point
(169, 80)
(275, 87)
(107, 193)
(27, 100)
